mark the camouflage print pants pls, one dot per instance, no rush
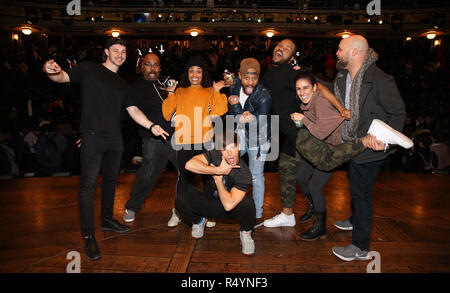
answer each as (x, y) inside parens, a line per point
(288, 166)
(318, 154)
(321, 156)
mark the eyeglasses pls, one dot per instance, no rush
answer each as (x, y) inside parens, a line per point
(155, 65)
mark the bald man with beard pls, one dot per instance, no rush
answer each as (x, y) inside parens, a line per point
(370, 94)
(147, 94)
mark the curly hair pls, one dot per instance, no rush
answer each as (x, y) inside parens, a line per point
(196, 60)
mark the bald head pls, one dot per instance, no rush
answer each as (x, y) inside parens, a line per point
(358, 42)
(151, 67)
(352, 52)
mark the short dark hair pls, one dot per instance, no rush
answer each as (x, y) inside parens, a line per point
(302, 74)
(227, 137)
(196, 60)
(295, 47)
(113, 41)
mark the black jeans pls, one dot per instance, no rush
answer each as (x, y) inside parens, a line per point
(99, 152)
(313, 181)
(361, 178)
(194, 205)
(155, 154)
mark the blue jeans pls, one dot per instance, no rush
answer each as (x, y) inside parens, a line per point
(256, 166)
(361, 178)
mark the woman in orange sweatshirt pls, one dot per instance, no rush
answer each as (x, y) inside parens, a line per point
(191, 108)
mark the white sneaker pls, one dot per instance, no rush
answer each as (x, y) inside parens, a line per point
(248, 245)
(210, 224)
(198, 229)
(136, 160)
(128, 216)
(389, 135)
(174, 220)
(280, 220)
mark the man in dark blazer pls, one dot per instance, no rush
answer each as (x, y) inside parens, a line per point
(370, 94)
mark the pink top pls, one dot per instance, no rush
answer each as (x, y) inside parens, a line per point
(322, 119)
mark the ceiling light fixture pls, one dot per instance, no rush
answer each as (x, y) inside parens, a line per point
(115, 33)
(431, 35)
(26, 30)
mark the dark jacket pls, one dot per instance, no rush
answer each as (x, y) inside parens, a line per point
(258, 103)
(379, 99)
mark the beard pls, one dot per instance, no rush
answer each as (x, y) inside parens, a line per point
(148, 77)
(281, 60)
(341, 64)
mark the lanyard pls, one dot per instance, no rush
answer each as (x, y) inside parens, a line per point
(154, 86)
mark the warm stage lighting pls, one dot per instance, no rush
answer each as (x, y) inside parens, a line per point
(194, 32)
(115, 33)
(431, 35)
(344, 34)
(26, 31)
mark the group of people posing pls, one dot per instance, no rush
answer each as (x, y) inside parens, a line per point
(319, 125)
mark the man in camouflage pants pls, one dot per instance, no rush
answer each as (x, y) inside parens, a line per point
(280, 81)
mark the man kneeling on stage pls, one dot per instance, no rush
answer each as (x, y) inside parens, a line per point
(225, 191)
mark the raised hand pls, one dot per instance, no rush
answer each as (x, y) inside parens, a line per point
(224, 168)
(51, 67)
(228, 81)
(170, 89)
(233, 99)
(218, 85)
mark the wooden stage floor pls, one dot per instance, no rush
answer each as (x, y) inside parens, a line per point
(39, 225)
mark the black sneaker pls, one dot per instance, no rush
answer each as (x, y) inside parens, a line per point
(92, 251)
(114, 225)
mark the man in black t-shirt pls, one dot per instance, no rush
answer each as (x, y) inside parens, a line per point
(102, 94)
(147, 95)
(280, 81)
(225, 192)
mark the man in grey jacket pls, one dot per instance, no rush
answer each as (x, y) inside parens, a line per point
(370, 94)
